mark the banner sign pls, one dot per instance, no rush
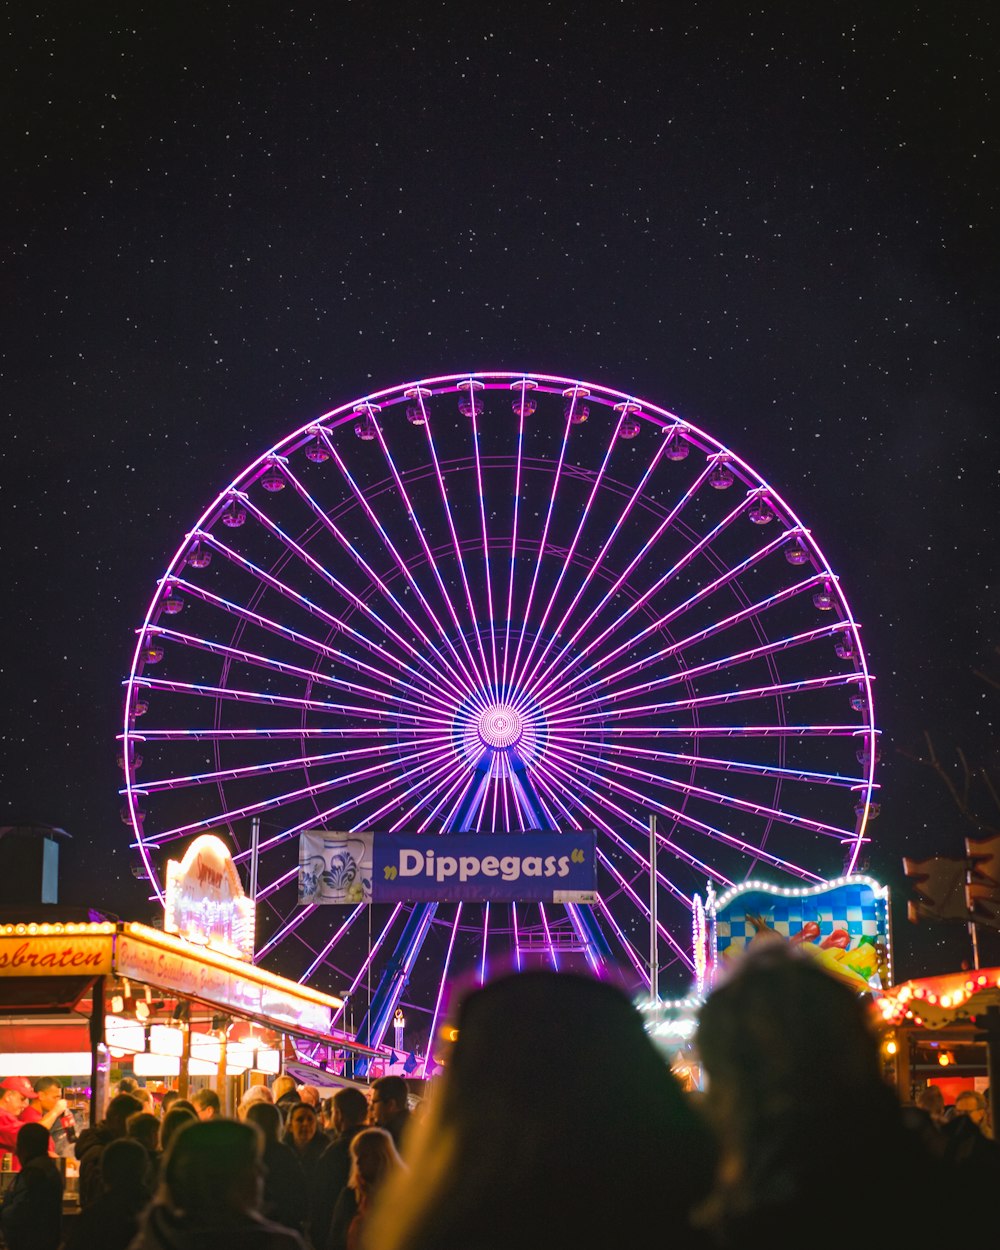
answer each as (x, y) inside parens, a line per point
(464, 867)
(843, 923)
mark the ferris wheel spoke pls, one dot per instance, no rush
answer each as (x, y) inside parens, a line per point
(687, 675)
(373, 577)
(621, 581)
(519, 672)
(412, 654)
(443, 982)
(456, 548)
(594, 567)
(313, 645)
(360, 602)
(731, 696)
(631, 751)
(619, 623)
(543, 546)
(677, 786)
(642, 907)
(338, 934)
(228, 693)
(309, 676)
(279, 935)
(474, 678)
(393, 550)
(244, 772)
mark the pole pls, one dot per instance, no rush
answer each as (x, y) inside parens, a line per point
(254, 854)
(654, 966)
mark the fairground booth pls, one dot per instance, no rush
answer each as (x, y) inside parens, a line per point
(90, 1001)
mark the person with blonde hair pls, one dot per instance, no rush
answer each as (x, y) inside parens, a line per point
(556, 1121)
(374, 1161)
(253, 1093)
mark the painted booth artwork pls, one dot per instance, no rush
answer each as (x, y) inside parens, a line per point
(843, 923)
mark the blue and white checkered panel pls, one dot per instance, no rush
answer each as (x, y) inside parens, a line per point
(852, 907)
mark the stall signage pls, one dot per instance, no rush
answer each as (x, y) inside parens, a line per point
(24, 955)
(844, 924)
(205, 900)
(186, 975)
(471, 867)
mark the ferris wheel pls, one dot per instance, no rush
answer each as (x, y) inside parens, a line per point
(500, 602)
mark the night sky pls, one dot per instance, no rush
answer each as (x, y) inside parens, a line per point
(778, 221)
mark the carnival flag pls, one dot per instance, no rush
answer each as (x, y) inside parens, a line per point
(940, 886)
(411, 1065)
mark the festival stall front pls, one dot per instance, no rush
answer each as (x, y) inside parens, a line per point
(844, 924)
(943, 1030)
(173, 1005)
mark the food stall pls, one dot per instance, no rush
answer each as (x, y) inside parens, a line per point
(942, 1030)
(184, 1004)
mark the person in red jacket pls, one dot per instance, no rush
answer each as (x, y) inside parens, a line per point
(15, 1094)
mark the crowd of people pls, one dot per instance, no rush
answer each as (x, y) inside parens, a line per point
(556, 1122)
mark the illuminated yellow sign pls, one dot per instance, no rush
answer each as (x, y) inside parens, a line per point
(24, 955)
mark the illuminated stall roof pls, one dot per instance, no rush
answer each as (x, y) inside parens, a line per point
(50, 966)
(937, 1002)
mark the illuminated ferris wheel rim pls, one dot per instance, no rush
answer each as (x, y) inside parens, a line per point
(515, 720)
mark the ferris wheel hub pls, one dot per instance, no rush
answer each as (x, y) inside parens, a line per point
(500, 726)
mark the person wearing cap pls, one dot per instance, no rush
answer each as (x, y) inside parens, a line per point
(15, 1094)
(50, 1109)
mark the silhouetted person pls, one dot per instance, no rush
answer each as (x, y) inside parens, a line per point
(144, 1127)
(556, 1122)
(349, 1114)
(973, 1156)
(113, 1220)
(286, 1195)
(795, 1091)
(389, 1106)
(175, 1119)
(92, 1141)
(206, 1103)
(210, 1194)
(31, 1215)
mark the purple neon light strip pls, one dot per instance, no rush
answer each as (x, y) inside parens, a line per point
(642, 906)
(313, 645)
(482, 959)
(457, 548)
(743, 766)
(762, 810)
(373, 951)
(596, 564)
(622, 578)
(618, 624)
(338, 934)
(394, 551)
(442, 985)
(475, 678)
(553, 955)
(413, 654)
(363, 564)
(467, 676)
(689, 822)
(519, 674)
(309, 676)
(562, 775)
(277, 801)
(732, 696)
(515, 924)
(283, 932)
(542, 548)
(687, 675)
(359, 602)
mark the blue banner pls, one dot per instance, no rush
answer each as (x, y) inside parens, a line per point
(350, 868)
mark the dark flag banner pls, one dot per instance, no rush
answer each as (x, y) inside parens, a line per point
(348, 868)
